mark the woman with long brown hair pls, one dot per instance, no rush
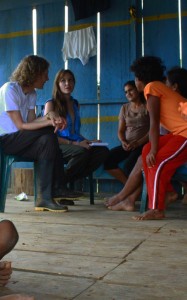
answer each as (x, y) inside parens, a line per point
(80, 156)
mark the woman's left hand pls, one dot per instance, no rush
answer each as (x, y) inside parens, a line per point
(151, 159)
(85, 144)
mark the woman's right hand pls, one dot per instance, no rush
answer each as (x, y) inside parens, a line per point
(151, 159)
(59, 123)
(56, 121)
(84, 144)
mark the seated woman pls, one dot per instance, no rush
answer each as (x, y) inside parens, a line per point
(126, 198)
(80, 157)
(133, 131)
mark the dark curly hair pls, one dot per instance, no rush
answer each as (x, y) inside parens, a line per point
(148, 68)
(29, 69)
(179, 76)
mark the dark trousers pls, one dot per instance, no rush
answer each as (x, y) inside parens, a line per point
(41, 146)
(118, 154)
(81, 161)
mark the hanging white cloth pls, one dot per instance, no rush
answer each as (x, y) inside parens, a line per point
(79, 44)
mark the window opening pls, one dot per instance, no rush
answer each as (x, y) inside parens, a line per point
(180, 32)
(66, 28)
(34, 30)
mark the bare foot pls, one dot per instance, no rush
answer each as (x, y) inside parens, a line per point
(5, 272)
(17, 297)
(152, 214)
(112, 201)
(125, 205)
(170, 197)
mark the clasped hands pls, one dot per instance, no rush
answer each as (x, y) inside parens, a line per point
(58, 122)
(129, 146)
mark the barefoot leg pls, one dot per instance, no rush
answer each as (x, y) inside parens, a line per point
(128, 204)
(113, 200)
(125, 205)
(118, 174)
(152, 214)
(133, 184)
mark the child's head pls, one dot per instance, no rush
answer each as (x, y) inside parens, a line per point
(147, 69)
(177, 80)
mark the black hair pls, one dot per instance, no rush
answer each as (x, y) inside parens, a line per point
(132, 83)
(179, 76)
(148, 68)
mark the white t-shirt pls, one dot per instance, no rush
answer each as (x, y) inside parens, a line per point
(13, 98)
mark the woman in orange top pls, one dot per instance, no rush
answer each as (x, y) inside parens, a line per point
(163, 154)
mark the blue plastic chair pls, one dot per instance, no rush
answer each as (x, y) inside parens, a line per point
(180, 175)
(6, 162)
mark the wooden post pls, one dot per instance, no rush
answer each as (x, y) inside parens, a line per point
(23, 181)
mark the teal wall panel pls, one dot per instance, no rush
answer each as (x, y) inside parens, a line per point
(161, 34)
(161, 30)
(117, 49)
(109, 123)
(120, 42)
(14, 46)
(50, 36)
(11, 4)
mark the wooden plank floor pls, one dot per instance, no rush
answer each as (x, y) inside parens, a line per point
(93, 253)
